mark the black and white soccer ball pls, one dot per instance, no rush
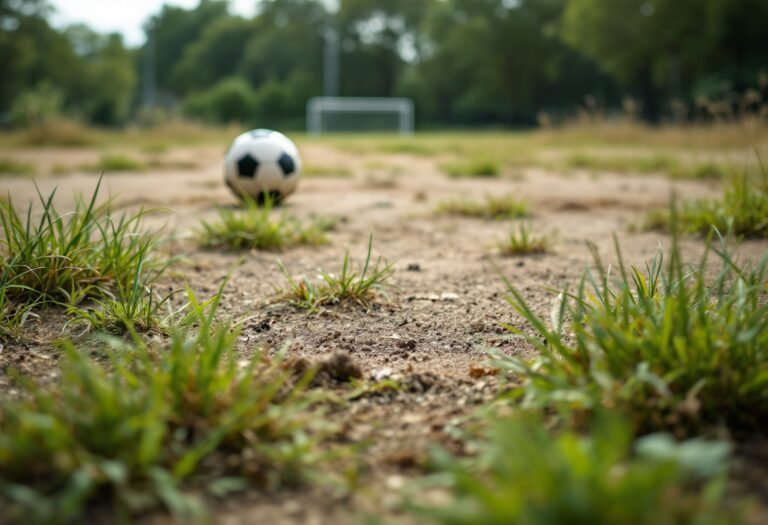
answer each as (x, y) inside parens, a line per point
(262, 163)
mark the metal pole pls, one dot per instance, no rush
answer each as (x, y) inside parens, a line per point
(331, 59)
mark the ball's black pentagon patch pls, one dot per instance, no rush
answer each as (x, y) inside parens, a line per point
(286, 164)
(247, 166)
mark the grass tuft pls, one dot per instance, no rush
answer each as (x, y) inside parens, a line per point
(472, 168)
(134, 307)
(742, 210)
(190, 414)
(491, 207)
(115, 163)
(255, 227)
(667, 165)
(622, 164)
(54, 257)
(313, 171)
(14, 167)
(525, 474)
(358, 287)
(668, 346)
(523, 242)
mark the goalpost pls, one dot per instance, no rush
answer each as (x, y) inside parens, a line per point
(326, 114)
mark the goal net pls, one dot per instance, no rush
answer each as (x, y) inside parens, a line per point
(340, 114)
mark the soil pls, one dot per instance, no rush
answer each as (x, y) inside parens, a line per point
(434, 329)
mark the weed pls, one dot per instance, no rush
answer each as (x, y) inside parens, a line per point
(116, 163)
(58, 132)
(12, 316)
(524, 474)
(336, 172)
(472, 168)
(14, 167)
(699, 171)
(348, 286)
(670, 166)
(162, 419)
(523, 242)
(79, 254)
(623, 164)
(742, 210)
(667, 346)
(253, 226)
(132, 307)
(501, 207)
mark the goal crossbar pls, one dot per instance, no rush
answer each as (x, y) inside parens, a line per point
(316, 106)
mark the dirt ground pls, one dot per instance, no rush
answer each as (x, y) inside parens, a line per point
(438, 323)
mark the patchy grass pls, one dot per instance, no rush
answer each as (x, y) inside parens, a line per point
(13, 316)
(134, 307)
(256, 227)
(58, 132)
(623, 163)
(313, 171)
(699, 171)
(190, 414)
(664, 164)
(53, 257)
(668, 346)
(350, 286)
(409, 147)
(115, 163)
(522, 241)
(482, 168)
(14, 167)
(525, 474)
(491, 207)
(742, 210)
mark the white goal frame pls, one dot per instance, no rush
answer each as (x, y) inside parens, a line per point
(316, 106)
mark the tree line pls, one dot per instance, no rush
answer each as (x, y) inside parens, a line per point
(464, 62)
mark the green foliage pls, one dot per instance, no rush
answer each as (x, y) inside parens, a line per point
(350, 286)
(36, 106)
(523, 242)
(14, 167)
(472, 168)
(230, 100)
(547, 55)
(674, 347)
(82, 254)
(525, 475)
(255, 227)
(492, 207)
(742, 210)
(160, 420)
(212, 56)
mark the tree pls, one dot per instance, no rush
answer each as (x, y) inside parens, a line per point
(654, 44)
(488, 61)
(171, 31)
(216, 54)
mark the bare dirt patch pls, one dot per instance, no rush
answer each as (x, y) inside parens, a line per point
(431, 334)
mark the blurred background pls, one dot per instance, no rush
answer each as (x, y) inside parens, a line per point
(465, 63)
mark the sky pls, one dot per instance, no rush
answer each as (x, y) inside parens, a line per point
(124, 16)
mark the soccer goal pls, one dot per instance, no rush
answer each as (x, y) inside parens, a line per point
(339, 114)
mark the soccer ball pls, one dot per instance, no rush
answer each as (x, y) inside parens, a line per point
(262, 163)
